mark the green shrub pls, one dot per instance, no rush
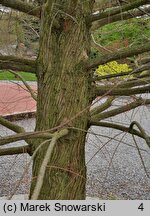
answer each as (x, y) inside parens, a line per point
(112, 68)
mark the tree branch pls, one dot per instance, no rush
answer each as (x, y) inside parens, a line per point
(126, 84)
(139, 152)
(122, 109)
(98, 47)
(134, 82)
(117, 127)
(41, 174)
(144, 60)
(17, 64)
(14, 150)
(120, 17)
(29, 135)
(118, 10)
(25, 136)
(22, 7)
(102, 107)
(136, 71)
(146, 137)
(11, 126)
(99, 91)
(31, 91)
(126, 52)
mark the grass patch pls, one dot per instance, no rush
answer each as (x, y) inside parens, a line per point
(6, 75)
(137, 31)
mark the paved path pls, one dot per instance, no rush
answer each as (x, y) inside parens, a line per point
(14, 98)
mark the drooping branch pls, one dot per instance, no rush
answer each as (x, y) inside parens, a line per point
(135, 71)
(139, 152)
(11, 126)
(14, 150)
(17, 64)
(31, 91)
(118, 10)
(120, 17)
(142, 131)
(117, 127)
(111, 113)
(126, 52)
(22, 7)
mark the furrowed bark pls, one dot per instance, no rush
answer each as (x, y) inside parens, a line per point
(17, 64)
(63, 84)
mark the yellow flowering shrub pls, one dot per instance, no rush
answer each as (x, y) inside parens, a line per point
(112, 68)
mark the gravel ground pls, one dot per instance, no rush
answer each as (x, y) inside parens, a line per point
(116, 171)
(113, 172)
(12, 167)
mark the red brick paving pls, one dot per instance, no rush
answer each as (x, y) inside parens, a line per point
(14, 98)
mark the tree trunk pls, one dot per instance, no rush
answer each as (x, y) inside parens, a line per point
(63, 92)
